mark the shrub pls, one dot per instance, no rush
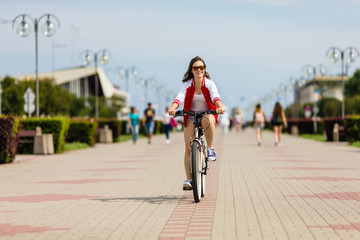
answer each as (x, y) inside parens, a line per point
(115, 125)
(8, 138)
(329, 126)
(306, 126)
(352, 128)
(82, 131)
(57, 126)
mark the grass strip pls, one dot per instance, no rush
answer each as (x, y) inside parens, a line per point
(75, 146)
(356, 144)
(316, 137)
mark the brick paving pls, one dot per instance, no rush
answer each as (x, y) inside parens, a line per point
(301, 190)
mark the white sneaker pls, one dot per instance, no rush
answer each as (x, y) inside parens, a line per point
(167, 141)
(187, 185)
(211, 154)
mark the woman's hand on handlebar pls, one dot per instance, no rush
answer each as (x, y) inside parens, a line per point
(172, 112)
(219, 110)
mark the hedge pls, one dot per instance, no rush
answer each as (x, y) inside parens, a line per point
(352, 129)
(82, 131)
(329, 127)
(8, 138)
(57, 126)
(116, 126)
(306, 126)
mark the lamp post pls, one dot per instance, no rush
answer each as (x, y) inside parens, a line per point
(102, 57)
(334, 54)
(128, 73)
(48, 29)
(311, 72)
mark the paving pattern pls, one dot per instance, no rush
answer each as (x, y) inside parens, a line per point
(301, 190)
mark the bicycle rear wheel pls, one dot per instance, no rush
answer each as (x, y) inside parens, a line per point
(196, 169)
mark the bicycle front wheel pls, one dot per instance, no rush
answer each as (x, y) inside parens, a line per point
(196, 169)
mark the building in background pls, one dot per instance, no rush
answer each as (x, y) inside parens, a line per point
(322, 87)
(80, 81)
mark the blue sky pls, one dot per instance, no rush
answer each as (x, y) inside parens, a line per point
(250, 47)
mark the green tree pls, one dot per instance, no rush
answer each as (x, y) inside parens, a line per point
(352, 87)
(329, 107)
(12, 97)
(352, 105)
(55, 100)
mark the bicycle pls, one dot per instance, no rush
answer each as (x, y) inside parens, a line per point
(198, 153)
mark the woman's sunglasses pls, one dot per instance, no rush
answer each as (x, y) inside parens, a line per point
(195, 68)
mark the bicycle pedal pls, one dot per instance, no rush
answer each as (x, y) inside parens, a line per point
(187, 188)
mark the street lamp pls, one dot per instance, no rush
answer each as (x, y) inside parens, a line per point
(23, 30)
(146, 83)
(334, 55)
(102, 57)
(311, 71)
(128, 73)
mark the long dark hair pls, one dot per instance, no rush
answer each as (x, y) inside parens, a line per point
(277, 109)
(189, 75)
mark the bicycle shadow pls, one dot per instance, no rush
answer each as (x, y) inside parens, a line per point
(152, 200)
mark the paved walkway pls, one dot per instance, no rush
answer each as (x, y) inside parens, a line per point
(301, 190)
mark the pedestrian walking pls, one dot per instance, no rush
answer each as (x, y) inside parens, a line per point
(166, 120)
(224, 122)
(148, 122)
(277, 121)
(133, 124)
(198, 92)
(259, 123)
(238, 120)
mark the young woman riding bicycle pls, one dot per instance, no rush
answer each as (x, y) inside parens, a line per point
(197, 93)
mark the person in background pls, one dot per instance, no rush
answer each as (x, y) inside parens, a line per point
(277, 121)
(148, 122)
(259, 122)
(238, 120)
(166, 120)
(134, 124)
(224, 122)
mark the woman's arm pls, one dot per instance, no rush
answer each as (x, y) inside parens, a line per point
(172, 109)
(284, 119)
(219, 107)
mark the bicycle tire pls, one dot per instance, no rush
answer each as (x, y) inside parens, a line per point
(196, 169)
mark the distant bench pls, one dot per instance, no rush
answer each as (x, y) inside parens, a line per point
(26, 134)
(43, 143)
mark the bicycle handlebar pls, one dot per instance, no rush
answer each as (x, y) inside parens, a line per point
(194, 113)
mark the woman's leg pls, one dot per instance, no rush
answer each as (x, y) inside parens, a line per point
(167, 131)
(276, 134)
(133, 134)
(208, 124)
(188, 132)
(136, 130)
(258, 134)
(279, 133)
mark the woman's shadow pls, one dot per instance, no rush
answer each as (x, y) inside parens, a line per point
(153, 200)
